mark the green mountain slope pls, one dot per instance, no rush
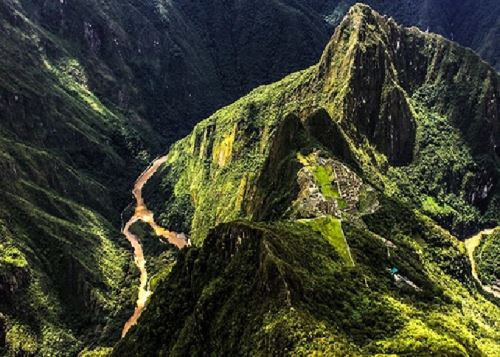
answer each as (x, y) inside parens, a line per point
(63, 268)
(353, 167)
(279, 289)
(157, 59)
(88, 90)
(416, 113)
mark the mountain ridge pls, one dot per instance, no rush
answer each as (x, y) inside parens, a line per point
(354, 248)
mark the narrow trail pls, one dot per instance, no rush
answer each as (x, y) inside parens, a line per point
(142, 213)
(470, 245)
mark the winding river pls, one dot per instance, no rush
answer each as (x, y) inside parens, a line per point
(142, 213)
(470, 245)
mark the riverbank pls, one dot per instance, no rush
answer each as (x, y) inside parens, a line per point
(471, 245)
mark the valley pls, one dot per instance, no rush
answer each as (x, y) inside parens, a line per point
(142, 213)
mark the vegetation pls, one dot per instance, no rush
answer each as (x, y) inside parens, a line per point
(487, 256)
(469, 17)
(440, 179)
(282, 288)
(383, 276)
(331, 229)
(65, 272)
(91, 91)
(446, 178)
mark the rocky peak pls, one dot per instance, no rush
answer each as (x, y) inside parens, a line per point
(357, 72)
(372, 67)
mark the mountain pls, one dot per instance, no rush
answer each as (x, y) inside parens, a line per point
(63, 267)
(91, 90)
(158, 58)
(472, 23)
(320, 208)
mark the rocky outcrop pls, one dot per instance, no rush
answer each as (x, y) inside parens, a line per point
(372, 67)
(12, 280)
(275, 188)
(323, 128)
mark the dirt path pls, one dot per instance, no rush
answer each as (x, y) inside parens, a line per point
(470, 245)
(142, 213)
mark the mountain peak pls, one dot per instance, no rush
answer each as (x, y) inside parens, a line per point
(360, 16)
(358, 72)
(372, 67)
(362, 11)
(361, 27)
(328, 161)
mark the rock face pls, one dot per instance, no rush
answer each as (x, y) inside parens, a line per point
(374, 103)
(11, 281)
(326, 131)
(380, 70)
(274, 191)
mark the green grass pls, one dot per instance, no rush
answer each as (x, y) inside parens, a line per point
(331, 229)
(432, 207)
(325, 182)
